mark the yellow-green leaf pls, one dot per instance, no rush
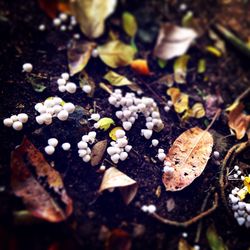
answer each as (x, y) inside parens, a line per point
(105, 123)
(198, 110)
(112, 133)
(116, 79)
(214, 51)
(180, 69)
(91, 15)
(180, 100)
(201, 66)
(214, 240)
(129, 24)
(116, 54)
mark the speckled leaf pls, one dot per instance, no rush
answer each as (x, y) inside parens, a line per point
(97, 152)
(116, 54)
(91, 15)
(173, 41)
(113, 178)
(28, 169)
(188, 156)
(79, 54)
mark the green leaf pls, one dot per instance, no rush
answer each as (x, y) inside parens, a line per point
(36, 86)
(162, 63)
(180, 69)
(187, 19)
(129, 24)
(214, 240)
(116, 80)
(105, 123)
(201, 66)
(79, 54)
(116, 54)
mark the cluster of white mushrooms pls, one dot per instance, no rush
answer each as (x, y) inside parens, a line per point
(52, 144)
(53, 107)
(84, 150)
(16, 121)
(65, 85)
(131, 106)
(119, 149)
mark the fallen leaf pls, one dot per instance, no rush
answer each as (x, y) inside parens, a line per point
(218, 42)
(214, 240)
(198, 110)
(161, 63)
(180, 69)
(79, 54)
(105, 123)
(97, 152)
(180, 100)
(129, 24)
(116, 54)
(173, 41)
(187, 19)
(113, 178)
(116, 79)
(214, 51)
(238, 122)
(112, 133)
(201, 66)
(188, 156)
(183, 245)
(28, 166)
(140, 66)
(118, 240)
(91, 15)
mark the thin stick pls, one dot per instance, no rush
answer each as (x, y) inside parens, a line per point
(190, 221)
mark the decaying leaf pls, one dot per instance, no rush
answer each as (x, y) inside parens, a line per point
(183, 245)
(28, 166)
(105, 123)
(188, 156)
(91, 15)
(116, 54)
(238, 122)
(97, 152)
(180, 69)
(118, 240)
(113, 178)
(112, 133)
(180, 100)
(140, 66)
(129, 24)
(173, 41)
(116, 79)
(79, 54)
(197, 111)
(214, 240)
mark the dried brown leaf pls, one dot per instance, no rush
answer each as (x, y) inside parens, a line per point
(188, 156)
(97, 152)
(173, 41)
(113, 178)
(28, 166)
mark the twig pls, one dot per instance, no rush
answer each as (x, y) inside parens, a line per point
(190, 221)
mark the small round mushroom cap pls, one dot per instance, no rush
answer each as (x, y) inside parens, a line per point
(66, 146)
(8, 122)
(17, 126)
(53, 142)
(49, 150)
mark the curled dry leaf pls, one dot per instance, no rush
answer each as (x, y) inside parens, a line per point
(116, 54)
(188, 156)
(197, 111)
(140, 66)
(28, 166)
(180, 69)
(113, 178)
(79, 54)
(238, 122)
(173, 41)
(91, 15)
(97, 152)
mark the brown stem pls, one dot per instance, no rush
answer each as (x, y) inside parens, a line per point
(190, 221)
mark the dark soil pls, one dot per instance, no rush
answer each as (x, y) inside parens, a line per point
(21, 42)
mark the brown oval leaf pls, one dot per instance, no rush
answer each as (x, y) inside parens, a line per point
(188, 156)
(97, 152)
(28, 166)
(113, 178)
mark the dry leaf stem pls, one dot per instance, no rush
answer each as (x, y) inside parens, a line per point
(190, 221)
